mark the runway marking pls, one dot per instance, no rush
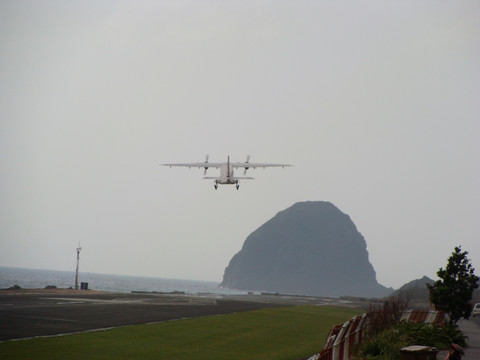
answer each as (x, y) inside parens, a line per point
(69, 302)
(55, 319)
(101, 301)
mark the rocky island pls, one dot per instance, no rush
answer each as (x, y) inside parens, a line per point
(311, 248)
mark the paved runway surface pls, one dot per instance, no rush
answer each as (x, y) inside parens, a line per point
(29, 313)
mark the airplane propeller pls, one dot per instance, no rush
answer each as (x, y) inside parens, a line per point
(206, 162)
(246, 162)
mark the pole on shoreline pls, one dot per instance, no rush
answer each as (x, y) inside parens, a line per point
(78, 261)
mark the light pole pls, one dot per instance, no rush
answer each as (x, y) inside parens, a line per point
(78, 261)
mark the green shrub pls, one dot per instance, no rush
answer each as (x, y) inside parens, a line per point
(440, 337)
(386, 344)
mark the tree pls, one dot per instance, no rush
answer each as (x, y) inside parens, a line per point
(453, 292)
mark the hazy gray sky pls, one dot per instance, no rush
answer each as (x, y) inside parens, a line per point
(376, 103)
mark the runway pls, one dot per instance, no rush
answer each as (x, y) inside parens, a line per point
(32, 313)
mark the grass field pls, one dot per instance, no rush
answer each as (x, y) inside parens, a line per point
(277, 333)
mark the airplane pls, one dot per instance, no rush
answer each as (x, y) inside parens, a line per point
(226, 170)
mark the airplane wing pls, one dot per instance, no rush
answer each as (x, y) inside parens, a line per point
(199, 165)
(236, 178)
(256, 165)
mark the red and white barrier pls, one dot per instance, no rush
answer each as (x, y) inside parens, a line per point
(342, 338)
(424, 316)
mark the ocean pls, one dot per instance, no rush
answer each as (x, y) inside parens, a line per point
(39, 279)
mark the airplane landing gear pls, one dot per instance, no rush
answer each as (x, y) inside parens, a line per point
(215, 186)
(237, 186)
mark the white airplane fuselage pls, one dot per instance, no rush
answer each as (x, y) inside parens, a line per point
(226, 175)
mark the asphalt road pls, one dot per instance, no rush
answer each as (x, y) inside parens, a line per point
(475, 319)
